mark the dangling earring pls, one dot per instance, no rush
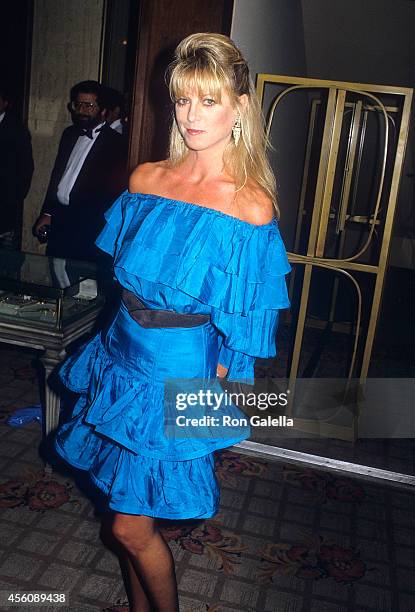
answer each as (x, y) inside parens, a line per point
(236, 130)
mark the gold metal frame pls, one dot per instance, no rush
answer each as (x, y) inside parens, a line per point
(335, 110)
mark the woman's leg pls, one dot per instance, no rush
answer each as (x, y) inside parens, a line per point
(136, 595)
(151, 559)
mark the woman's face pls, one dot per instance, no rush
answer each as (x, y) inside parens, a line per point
(204, 122)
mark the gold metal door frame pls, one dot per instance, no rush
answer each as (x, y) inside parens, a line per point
(336, 104)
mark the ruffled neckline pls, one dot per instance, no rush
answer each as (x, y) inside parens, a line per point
(206, 209)
(220, 260)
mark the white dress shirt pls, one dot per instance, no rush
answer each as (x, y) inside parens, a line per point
(117, 126)
(2, 115)
(75, 162)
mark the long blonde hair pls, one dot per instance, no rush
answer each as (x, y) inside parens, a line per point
(209, 63)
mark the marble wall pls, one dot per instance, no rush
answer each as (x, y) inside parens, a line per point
(65, 49)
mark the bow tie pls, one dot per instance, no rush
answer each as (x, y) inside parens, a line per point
(89, 132)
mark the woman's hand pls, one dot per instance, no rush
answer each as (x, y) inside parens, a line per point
(221, 371)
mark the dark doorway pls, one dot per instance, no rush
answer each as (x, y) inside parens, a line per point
(15, 48)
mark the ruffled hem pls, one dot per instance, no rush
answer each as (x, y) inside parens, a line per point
(221, 261)
(144, 486)
(75, 371)
(131, 412)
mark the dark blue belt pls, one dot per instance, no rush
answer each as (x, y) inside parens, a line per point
(148, 317)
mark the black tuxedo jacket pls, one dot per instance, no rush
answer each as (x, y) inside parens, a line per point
(101, 179)
(16, 169)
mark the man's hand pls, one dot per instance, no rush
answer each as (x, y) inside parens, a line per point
(221, 371)
(43, 220)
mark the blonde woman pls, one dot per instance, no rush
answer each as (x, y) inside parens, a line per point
(198, 253)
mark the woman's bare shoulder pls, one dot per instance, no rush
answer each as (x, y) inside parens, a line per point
(255, 205)
(145, 177)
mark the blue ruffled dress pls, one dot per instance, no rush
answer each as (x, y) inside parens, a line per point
(187, 258)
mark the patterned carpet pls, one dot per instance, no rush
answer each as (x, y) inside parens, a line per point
(285, 539)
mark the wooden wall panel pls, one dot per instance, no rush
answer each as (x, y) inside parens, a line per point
(161, 25)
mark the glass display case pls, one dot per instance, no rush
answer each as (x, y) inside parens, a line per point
(48, 291)
(47, 303)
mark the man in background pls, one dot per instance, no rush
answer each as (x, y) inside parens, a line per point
(115, 109)
(16, 170)
(88, 174)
